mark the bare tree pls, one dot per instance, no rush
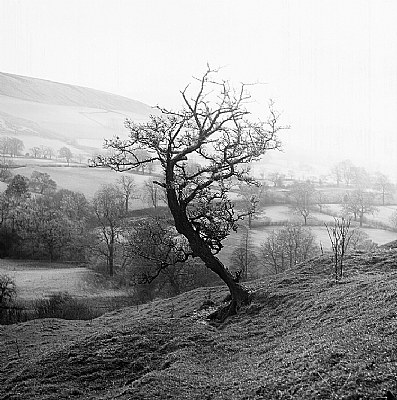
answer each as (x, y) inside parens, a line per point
(276, 178)
(302, 194)
(155, 263)
(347, 169)
(64, 152)
(337, 172)
(340, 236)
(36, 152)
(384, 186)
(16, 146)
(214, 126)
(152, 193)
(251, 196)
(360, 241)
(360, 177)
(359, 202)
(287, 247)
(320, 198)
(244, 258)
(127, 186)
(108, 205)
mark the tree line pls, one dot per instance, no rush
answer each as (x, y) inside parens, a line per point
(14, 147)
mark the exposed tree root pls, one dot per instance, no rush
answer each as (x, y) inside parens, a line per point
(230, 309)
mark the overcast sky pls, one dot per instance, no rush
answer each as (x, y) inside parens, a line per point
(331, 66)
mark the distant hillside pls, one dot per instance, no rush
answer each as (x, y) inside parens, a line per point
(45, 113)
(303, 337)
(48, 92)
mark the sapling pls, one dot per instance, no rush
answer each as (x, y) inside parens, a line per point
(339, 235)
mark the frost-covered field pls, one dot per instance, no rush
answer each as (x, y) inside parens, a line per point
(258, 234)
(36, 279)
(84, 180)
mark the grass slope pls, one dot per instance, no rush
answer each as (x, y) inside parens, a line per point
(48, 92)
(45, 113)
(303, 337)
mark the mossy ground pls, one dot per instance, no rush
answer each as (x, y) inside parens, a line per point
(303, 337)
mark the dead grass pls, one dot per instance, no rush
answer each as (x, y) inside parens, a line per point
(303, 337)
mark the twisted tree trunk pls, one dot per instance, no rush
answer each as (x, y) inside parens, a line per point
(240, 295)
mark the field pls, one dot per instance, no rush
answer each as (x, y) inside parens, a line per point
(258, 233)
(82, 179)
(382, 213)
(37, 279)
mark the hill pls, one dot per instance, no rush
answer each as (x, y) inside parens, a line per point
(41, 112)
(303, 337)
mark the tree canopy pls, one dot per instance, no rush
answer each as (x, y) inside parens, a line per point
(215, 127)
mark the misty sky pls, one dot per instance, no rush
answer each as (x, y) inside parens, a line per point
(331, 66)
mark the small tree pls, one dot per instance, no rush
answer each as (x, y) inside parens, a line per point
(5, 173)
(16, 147)
(41, 182)
(340, 236)
(108, 207)
(244, 258)
(251, 197)
(360, 241)
(156, 250)
(359, 203)
(383, 185)
(126, 184)
(214, 126)
(287, 247)
(337, 172)
(48, 152)
(320, 198)
(302, 194)
(64, 152)
(7, 290)
(36, 151)
(360, 177)
(18, 187)
(276, 178)
(347, 169)
(152, 193)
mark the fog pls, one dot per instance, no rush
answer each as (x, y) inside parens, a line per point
(330, 65)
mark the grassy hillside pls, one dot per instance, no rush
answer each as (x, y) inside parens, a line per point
(303, 337)
(48, 92)
(45, 113)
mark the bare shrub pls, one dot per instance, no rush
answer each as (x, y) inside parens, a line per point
(287, 247)
(63, 305)
(340, 236)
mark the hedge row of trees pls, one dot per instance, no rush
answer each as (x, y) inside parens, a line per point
(14, 147)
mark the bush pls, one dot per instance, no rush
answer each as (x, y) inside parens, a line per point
(13, 313)
(63, 305)
(10, 310)
(7, 290)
